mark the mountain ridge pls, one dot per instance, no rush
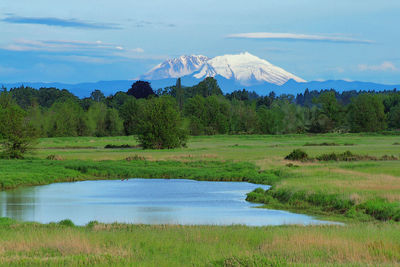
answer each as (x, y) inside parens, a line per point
(245, 68)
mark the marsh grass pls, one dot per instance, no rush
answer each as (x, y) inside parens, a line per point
(173, 245)
(14, 173)
(377, 208)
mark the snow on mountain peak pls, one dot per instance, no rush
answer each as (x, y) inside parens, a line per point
(244, 68)
(176, 67)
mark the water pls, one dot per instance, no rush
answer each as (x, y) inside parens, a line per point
(147, 201)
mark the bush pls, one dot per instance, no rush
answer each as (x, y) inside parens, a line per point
(54, 157)
(381, 209)
(348, 156)
(298, 155)
(66, 222)
(118, 146)
(321, 144)
(135, 157)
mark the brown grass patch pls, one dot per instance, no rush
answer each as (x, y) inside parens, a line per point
(373, 182)
(301, 247)
(65, 244)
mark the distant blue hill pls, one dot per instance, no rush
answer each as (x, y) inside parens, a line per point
(227, 86)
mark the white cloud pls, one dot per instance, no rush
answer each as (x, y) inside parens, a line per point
(7, 70)
(298, 37)
(83, 51)
(62, 46)
(385, 66)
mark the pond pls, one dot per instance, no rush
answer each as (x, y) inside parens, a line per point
(147, 201)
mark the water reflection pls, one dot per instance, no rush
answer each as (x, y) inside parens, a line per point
(19, 206)
(149, 201)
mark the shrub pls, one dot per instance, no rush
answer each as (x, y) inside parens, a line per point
(381, 209)
(66, 222)
(348, 156)
(92, 224)
(298, 155)
(54, 157)
(118, 146)
(389, 157)
(135, 157)
(321, 144)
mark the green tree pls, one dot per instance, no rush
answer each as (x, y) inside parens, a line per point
(160, 125)
(180, 93)
(96, 119)
(244, 117)
(66, 118)
(330, 114)
(270, 120)
(18, 135)
(366, 114)
(210, 115)
(394, 117)
(97, 96)
(130, 113)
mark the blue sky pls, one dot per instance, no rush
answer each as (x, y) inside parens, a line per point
(89, 40)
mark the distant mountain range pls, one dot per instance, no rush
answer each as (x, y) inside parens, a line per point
(233, 72)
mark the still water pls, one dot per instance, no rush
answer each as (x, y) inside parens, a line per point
(148, 201)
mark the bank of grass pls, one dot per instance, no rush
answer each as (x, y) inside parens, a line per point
(15, 173)
(54, 244)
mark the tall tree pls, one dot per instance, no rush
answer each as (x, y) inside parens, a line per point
(161, 125)
(141, 89)
(180, 94)
(366, 114)
(17, 134)
(97, 96)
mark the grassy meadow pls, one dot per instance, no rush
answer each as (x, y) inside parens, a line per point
(365, 194)
(362, 244)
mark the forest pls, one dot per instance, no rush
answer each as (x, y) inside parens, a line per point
(202, 109)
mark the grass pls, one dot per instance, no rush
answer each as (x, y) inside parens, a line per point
(15, 173)
(169, 245)
(363, 193)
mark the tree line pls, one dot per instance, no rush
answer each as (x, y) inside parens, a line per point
(169, 114)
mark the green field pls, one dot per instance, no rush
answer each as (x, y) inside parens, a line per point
(364, 194)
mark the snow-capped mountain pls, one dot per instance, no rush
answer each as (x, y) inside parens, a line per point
(177, 67)
(244, 68)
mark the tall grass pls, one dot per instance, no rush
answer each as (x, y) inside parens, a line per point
(56, 244)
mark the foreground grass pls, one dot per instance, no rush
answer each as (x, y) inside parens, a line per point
(140, 245)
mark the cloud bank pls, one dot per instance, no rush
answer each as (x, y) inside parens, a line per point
(72, 23)
(297, 37)
(385, 66)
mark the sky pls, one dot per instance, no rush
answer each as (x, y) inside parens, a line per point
(91, 40)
